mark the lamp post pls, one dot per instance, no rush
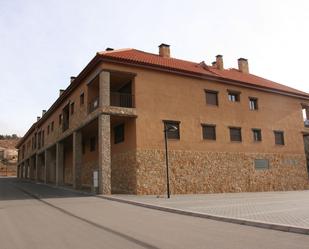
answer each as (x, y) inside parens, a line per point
(167, 128)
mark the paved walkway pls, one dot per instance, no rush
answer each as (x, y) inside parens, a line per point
(289, 208)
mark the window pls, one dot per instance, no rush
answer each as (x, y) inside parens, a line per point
(261, 164)
(82, 99)
(72, 108)
(47, 129)
(119, 133)
(60, 119)
(92, 143)
(172, 128)
(209, 132)
(253, 104)
(52, 126)
(257, 135)
(279, 137)
(211, 97)
(233, 96)
(235, 134)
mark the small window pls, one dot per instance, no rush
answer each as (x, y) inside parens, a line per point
(234, 96)
(48, 129)
(235, 134)
(211, 97)
(253, 104)
(279, 137)
(261, 164)
(209, 132)
(60, 119)
(172, 129)
(72, 108)
(82, 99)
(119, 133)
(92, 143)
(257, 135)
(52, 126)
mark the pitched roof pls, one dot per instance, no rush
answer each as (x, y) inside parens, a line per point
(138, 57)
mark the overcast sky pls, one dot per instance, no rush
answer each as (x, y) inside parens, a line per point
(43, 43)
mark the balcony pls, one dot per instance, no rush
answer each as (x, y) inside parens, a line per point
(121, 99)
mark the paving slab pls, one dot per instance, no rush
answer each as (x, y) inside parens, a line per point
(285, 211)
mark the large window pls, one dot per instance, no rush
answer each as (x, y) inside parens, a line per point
(209, 132)
(211, 97)
(253, 104)
(257, 135)
(279, 137)
(119, 133)
(235, 134)
(172, 128)
(233, 96)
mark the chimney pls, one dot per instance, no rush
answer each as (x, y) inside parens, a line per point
(72, 78)
(43, 112)
(109, 49)
(38, 118)
(61, 92)
(243, 65)
(219, 62)
(164, 50)
(214, 64)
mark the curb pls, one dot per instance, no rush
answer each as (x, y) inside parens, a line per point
(260, 224)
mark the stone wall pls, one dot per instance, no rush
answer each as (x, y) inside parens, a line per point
(216, 172)
(123, 175)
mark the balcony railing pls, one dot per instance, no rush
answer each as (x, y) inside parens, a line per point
(122, 99)
(306, 123)
(94, 104)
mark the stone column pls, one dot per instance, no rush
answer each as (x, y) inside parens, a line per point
(104, 150)
(104, 88)
(36, 167)
(77, 159)
(22, 170)
(46, 164)
(59, 163)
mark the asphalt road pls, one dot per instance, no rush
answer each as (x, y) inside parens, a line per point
(35, 216)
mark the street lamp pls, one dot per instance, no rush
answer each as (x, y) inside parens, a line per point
(168, 128)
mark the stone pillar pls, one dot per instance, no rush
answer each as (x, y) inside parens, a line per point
(22, 170)
(46, 164)
(104, 150)
(17, 171)
(104, 88)
(59, 164)
(36, 167)
(77, 159)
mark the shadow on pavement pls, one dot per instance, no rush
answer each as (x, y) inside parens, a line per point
(12, 188)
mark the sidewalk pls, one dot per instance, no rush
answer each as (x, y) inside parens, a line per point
(285, 211)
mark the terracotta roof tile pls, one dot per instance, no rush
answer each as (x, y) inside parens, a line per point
(140, 57)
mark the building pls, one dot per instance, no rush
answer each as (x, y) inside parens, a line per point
(236, 131)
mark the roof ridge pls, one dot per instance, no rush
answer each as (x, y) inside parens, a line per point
(114, 51)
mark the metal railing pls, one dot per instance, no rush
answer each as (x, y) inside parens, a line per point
(121, 99)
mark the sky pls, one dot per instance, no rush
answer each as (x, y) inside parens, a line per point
(44, 42)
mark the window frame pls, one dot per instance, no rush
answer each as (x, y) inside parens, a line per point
(240, 133)
(233, 93)
(256, 105)
(278, 132)
(204, 127)
(207, 91)
(72, 108)
(81, 99)
(259, 135)
(170, 134)
(121, 137)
